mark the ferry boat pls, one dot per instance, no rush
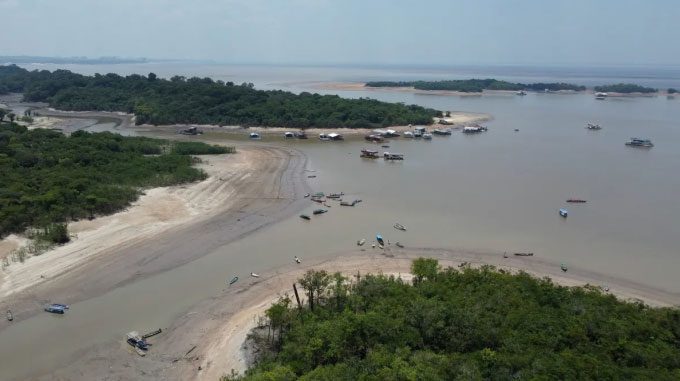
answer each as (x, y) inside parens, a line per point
(592, 126)
(636, 142)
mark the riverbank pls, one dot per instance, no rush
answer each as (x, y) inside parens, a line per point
(244, 191)
(207, 341)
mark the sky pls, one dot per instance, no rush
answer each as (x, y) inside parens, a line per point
(438, 32)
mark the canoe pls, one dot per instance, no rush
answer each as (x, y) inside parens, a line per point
(399, 226)
(305, 217)
(233, 280)
(576, 200)
(320, 211)
(380, 240)
(399, 245)
(54, 309)
(524, 254)
(361, 242)
(254, 275)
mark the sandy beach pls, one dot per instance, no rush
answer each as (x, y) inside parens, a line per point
(210, 336)
(244, 191)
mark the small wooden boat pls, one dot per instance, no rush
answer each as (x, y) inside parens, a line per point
(297, 260)
(320, 211)
(399, 226)
(233, 280)
(347, 203)
(577, 201)
(10, 316)
(311, 176)
(563, 267)
(516, 129)
(305, 217)
(254, 275)
(524, 254)
(399, 245)
(380, 240)
(361, 242)
(564, 213)
(307, 195)
(151, 334)
(55, 309)
(335, 195)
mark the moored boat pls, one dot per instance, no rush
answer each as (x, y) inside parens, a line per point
(335, 195)
(408, 135)
(564, 213)
(137, 342)
(233, 280)
(399, 245)
(441, 132)
(320, 211)
(524, 254)
(399, 226)
(374, 138)
(254, 136)
(393, 156)
(380, 240)
(10, 316)
(369, 154)
(637, 142)
(361, 242)
(474, 129)
(254, 275)
(305, 217)
(576, 201)
(600, 95)
(301, 135)
(564, 267)
(288, 135)
(521, 92)
(427, 136)
(593, 126)
(55, 309)
(297, 260)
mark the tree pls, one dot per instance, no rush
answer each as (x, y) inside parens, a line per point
(152, 77)
(424, 268)
(3, 112)
(11, 116)
(314, 283)
(278, 315)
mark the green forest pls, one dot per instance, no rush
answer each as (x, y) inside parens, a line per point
(625, 88)
(477, 85)
(462, 324)
(49, 178)
(201, 100)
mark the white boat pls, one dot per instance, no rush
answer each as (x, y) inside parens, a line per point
(521, 92)
(288, 135)
(427, 136)
(473, 129)
(361, 242)
(297, 260)
(254, 275)
(393, 156)
(254, 136)
(564, 213)
(408, 135)
(593, 126)
(600, 95)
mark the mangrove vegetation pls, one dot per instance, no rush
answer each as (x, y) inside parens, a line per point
(204, 101)
(462, 324)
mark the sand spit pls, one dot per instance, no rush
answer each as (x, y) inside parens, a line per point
(213, 331)
(245, 191)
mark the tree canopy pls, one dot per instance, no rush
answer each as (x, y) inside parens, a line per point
(467, 324)
(477, 85)
(49, 178)
(204, 101)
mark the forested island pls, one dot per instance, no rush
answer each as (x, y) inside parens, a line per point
(462, 324)
(478, 85)
(625, 88)
(203, 101)
(49, 179)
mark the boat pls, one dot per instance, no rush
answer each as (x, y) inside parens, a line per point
(361, 242)
(441, 132)
(524, 254)
(427, 136)
(417, 134)
(637, 142)
(305, 217)
(380, 240)
(408, 135)
(374, 138)
(324, 137)
(369, 154)
(233, 280)
(307, 195)
(288, 135)
(334, 136)
(564, 213)
(254, 275)
(254, 136)
(593, 126)
(347, 203)
(385, 146)
(600, 95)
(393, 156)
(320, 211)
(297, 260)
(516, 129)
(335, 195)
(55, 309)
(576, 201)
(521, 92)
(399, 226)
(399, 245)
(474, 129)
(137, 342)
(300, 135)
(563, 267)
(10, 316)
